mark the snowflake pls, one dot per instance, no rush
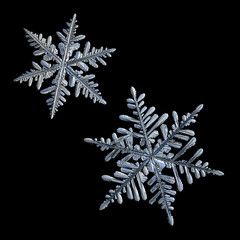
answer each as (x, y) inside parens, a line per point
(148, 160)
(64, 65)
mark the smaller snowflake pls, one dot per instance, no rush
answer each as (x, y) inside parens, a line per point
(64, 65)
(146, 160)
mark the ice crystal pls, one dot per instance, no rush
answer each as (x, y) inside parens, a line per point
(64, 64)
(146, 160)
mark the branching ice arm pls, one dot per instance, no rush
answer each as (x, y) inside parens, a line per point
(163, 194)
(125, 150)
(181, 126)
(62, 70)
(43, 46)
(124, 184)
(32, 74)
(90, 56)
(148, 144)
(199, 168)
(86, 85)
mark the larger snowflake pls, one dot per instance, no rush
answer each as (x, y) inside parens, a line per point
(152, 155)
(63, 65)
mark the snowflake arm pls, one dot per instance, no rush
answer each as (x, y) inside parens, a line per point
(43, 46)
(59, 89)
(165, 192)
(88, 88)
(127, 185)
(145, 152)
(38, 73)
(90, 57)
(177, 128)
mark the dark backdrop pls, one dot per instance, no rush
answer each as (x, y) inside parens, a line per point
(178, 56)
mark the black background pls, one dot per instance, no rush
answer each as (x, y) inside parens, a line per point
(179, 56)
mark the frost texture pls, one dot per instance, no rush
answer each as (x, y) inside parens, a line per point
(63, 65)
(145, 161)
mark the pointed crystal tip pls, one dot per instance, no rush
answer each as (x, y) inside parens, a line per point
(103, 102)
(88, 140)
(133, 91)
(171, 220)
(200, 107)
(26, 31)
(219, 173)
(103, 205)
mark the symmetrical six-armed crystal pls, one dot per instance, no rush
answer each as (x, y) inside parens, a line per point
(64, 65)
(152, 155)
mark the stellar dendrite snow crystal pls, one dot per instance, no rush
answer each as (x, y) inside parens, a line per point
(147, 156)
(63, 65)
